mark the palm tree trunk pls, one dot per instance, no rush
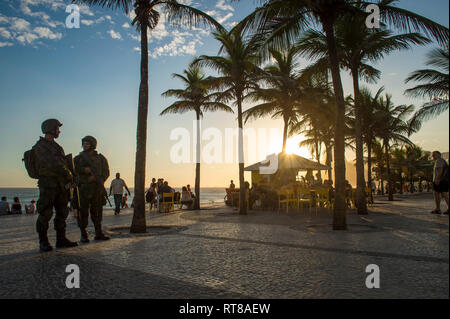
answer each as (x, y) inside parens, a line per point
(138, 224)
(369, 167)
(242, 190)
(197, 166)
(328, 161)
(318, 156)
(340, 207)
(389, 175)
(361, 204)
(285, 130)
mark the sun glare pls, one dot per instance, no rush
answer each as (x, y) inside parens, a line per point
(293, 148)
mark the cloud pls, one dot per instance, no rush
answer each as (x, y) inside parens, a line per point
(5, 44)
(27, 38)
(47, 33)
(221, 5)
(176, 47)
(5, 33)
(225, 18)
(19, 24)
(126, 25)
(114, 34)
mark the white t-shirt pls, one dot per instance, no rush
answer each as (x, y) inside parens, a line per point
(117, 186)
(437, 165)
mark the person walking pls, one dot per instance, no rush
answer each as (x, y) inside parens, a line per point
(54, 176)
(440, 182)
(92, 170)
(116, 189)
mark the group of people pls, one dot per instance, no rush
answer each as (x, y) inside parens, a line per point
(16, 207)
(154, 195)
(63, 180)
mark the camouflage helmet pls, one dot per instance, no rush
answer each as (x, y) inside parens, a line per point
(50, 125)
(91, 140)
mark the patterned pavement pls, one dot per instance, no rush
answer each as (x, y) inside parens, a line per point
(216, 253)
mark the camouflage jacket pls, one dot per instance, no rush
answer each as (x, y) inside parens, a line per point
(53, 167)
(100, 165)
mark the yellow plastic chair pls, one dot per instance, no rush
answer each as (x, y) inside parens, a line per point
(323, 198)
(304, 197)
(283, 198)
(168, 203)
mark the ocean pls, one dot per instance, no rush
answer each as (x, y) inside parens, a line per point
(207, 195)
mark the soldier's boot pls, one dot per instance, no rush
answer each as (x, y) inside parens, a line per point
(44, 245)
(84, 236)
(99, 234)
(62, 241)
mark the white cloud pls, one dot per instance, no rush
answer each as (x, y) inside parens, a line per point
(176, 47)
(225, 18)
(5, 33)
(19, 24)
(221, 5)
(5, 44)
(47, 33)
(138, 49)
(27, 38)
(135, 37)
(87, 22)
(115, 35)
(126, 25)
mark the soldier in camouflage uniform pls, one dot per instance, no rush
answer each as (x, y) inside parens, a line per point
(91, 189)
(54, 177)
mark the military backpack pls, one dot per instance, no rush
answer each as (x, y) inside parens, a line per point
(31, 163)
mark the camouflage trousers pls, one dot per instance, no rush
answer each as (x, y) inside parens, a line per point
(91, 201)
(50, 198)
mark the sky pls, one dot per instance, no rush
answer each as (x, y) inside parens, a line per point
(88, 78)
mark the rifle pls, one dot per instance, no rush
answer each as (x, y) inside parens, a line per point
(75, 193)
(98, 177)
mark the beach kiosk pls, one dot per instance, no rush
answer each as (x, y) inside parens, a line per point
(284, 170)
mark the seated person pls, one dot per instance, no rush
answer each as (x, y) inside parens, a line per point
(186, 198)
(16, 207)
(4, 206)
(189, 190)
(165, 189)
(30, 209)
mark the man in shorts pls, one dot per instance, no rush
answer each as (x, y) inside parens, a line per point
(440, 182)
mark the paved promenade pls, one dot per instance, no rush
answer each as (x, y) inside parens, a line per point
(216, 253)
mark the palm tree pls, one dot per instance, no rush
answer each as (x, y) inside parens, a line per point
(195, 98)
(239, 71)
(284, 20)
(370, 121)
(282, 92)
(357, 45)
(147, 18)
(393, 127)
(436, 88)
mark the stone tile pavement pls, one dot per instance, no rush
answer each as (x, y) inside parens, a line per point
(216, 253)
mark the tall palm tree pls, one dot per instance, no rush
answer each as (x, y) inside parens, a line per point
(436, 87)
(195, 97)
(239, 71)
(392, 130)
(280, 94)
(147, 18)
(284, 20)
(357, 45)
(370, 121)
